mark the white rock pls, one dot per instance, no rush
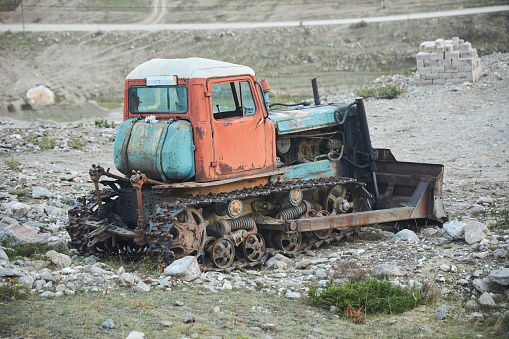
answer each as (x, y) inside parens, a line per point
(136, 335)
(9, 273)
(3, 255)
(405, 235)
(59, 259)
(303, 264)
(480, 285)
(27, 281)
(472, 304)
(453, 230)
(23, 235)
(484, 200)
(186, 269)
(486, 300)
(388, 270)
(47, 294)
(500, 276)
(475, 232)
(39, 192)
(141, 287)
(227, 286)
(478, 316)
(127, 278)
(445, 268)
(292, 295)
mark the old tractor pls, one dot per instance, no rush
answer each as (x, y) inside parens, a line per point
(208, 170)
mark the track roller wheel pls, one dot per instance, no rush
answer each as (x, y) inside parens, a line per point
(254, 247)
(322, 234)
(222, 253)
(287, 241)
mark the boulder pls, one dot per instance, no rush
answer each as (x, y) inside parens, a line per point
(127, 278)
(453, 230)
(480, 285)
(500, 276)
(405, 235)
(9, 273)
(3, 255)
(141, 287)
(477, 316)
(136, 335)
(388, 270)
(475, 232)
(39, 192)
(186, 269)
(472, 304)
(59, 259)
(292, 295)
(39, 96)
(486, 300)
(22, 235)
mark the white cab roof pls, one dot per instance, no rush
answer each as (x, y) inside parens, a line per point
(188, 68)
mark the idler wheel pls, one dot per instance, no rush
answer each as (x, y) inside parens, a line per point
(287, 241)
(254, 247)
(222, 253)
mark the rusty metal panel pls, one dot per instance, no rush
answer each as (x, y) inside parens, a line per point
(353, 219)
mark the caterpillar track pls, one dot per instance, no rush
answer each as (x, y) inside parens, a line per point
(178, 227)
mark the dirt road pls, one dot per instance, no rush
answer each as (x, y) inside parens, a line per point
(150, 24)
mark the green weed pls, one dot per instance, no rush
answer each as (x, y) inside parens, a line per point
(23, 194)
(45, 141)
(381, 91)
(501, 217)
(11, 290)
(68, 201)
(76, 142)
(32, 251)
(12, 163)
(372, 295)
(104, 123)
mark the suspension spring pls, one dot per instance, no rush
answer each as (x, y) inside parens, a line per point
(293, 212)
(247, 224)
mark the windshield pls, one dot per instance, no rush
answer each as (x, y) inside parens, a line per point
(158, 100)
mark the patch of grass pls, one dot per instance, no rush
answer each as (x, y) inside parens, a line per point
(45, 141)
(104, 123)
(381, 91)
(11, 290)
(144, 264)
(501, 216)
(76, 142)
(68, 201)
(372, 295)
(12, 163)
(32, 251)
(23, 194)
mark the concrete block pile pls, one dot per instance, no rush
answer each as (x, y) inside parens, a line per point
(447, 61)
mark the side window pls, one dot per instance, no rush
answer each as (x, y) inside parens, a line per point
(232, 99)
(247, 99)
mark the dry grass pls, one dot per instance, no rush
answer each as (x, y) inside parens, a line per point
(82, 314)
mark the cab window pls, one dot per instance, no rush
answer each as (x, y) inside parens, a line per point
(232, 99)
(158, 100)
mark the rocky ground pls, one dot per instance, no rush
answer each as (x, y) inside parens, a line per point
(44, 166)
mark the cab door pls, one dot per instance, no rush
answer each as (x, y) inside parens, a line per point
(238, 130)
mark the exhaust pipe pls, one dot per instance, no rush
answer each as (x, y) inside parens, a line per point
(314, 84)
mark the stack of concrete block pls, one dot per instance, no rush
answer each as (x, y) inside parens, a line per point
(447, 61)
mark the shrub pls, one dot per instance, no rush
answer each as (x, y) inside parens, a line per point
(23, 194)
(104, 123)
(381, 91)
(12, 163)
(372, 295)
(76, 142)
(501, 217)
(47, 142)
(11, 290)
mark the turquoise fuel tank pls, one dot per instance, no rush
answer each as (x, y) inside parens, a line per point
(161, 149)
